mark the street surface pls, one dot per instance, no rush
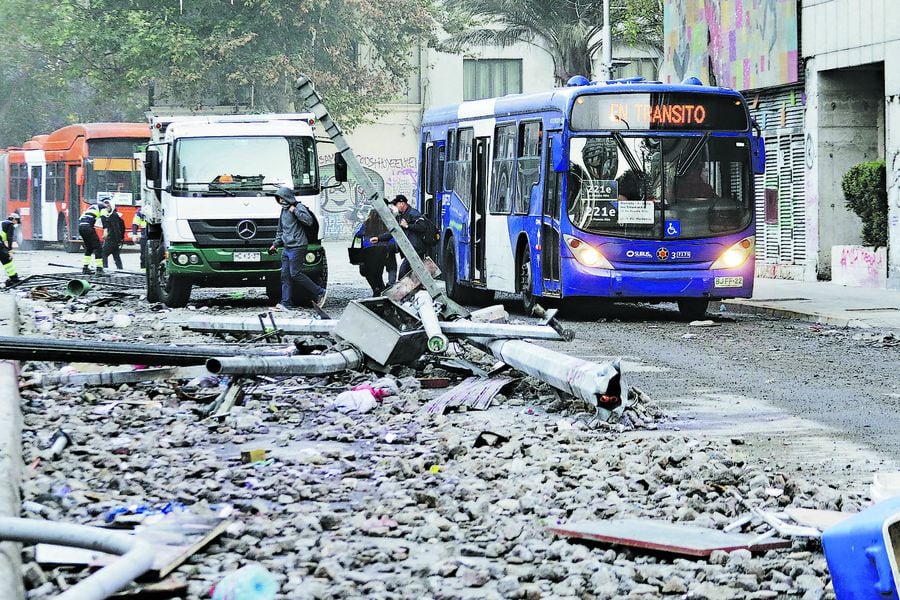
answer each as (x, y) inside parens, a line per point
(397, 502)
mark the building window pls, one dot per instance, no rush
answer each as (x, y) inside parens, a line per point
(491, 77)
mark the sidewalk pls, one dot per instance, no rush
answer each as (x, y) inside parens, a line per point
(822, 302)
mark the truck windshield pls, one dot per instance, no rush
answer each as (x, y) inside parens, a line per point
(636, 186)
(229, 166)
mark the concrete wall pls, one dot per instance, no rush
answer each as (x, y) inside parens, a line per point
(852, 49)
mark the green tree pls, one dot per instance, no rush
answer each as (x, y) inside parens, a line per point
(102, 55)
(865, 193)
(569, 30)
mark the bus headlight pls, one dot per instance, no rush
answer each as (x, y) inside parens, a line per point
(586, 254)
(736, 255)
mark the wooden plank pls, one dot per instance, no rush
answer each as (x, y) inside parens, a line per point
(663, 536)
(820, 519)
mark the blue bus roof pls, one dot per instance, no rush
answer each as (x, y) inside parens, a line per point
(559, 99)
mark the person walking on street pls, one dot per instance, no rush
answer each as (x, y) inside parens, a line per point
(7, 233)
(292, 235)
(414, 225)
(375, 255)
(113, 237)
(88, 233)
(139, 234)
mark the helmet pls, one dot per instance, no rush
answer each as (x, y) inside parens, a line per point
(14, 215)
(285, 193)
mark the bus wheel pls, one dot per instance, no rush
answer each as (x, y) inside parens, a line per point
(451, 284)
(526, 283)
(693, 309)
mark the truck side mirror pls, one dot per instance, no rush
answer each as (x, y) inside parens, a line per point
(151, 165)
(340, 168)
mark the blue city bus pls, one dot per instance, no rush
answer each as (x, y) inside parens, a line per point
(626, 190)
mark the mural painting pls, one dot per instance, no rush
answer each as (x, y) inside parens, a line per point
(741, 44)
(345, 206)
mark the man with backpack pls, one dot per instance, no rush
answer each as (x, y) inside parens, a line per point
(295, 228)
(417, 228)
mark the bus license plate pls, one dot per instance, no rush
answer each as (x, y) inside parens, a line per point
(729, 282)
(248, 257)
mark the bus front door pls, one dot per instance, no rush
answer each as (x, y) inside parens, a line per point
(550, 216)
(478, 214)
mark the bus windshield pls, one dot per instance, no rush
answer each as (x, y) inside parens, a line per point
(228, 166)
(647, 187)
(110, 170)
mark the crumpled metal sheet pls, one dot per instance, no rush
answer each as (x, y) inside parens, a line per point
(473, 392)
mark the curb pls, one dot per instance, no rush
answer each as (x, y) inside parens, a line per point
(11, 586)
(768, 310)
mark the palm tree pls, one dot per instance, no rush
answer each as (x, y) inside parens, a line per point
(568, 30)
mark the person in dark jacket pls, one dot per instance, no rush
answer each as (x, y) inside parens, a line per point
(413, 225)
(291, 235)
(113, 237)
(89, 237)
(375, 255)
(9, 228)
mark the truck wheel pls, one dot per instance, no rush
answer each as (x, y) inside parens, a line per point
(322, 279)
(177, 292)
(152, 271)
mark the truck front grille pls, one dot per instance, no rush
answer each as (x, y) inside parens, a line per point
(211, 233)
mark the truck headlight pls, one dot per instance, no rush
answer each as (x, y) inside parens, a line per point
(586, 254)
(310, 257)
(736, 255)
(195, 260)
(182, 259)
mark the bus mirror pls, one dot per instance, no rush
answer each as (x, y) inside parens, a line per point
(151, 165)
(759, 155)
(79, 176)
(340, 168)
(560, 162)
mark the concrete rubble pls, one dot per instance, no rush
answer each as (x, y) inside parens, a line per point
(397, 502)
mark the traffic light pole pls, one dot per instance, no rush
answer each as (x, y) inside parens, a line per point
(313, 102)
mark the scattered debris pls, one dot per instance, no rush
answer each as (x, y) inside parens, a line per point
(663, 536)
(490, 439)
(474, 392)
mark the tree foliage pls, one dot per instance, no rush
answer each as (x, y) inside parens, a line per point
(865, 192)
(99, 54)
(569, 30)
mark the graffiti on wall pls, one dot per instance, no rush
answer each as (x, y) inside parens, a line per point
(346, 205)
(859, 266)
(741, 44)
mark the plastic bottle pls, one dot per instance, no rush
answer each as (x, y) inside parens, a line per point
(251, 582)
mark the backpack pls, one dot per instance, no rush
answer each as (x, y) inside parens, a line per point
(431, 235)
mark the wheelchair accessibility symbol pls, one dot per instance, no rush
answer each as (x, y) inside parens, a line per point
(673, 228)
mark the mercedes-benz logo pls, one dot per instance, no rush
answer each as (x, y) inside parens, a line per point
(246, 229)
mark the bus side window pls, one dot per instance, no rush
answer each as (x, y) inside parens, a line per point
(502, 169)
(528, 170)
(450, 171)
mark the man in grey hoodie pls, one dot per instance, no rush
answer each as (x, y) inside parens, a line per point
(291, 235)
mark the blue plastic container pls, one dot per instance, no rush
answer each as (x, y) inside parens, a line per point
(863, 553)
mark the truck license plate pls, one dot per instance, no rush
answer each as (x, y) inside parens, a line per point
(729, 282)
(250, 257)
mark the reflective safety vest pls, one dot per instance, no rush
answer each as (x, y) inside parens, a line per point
(138, 222)
(90, 216)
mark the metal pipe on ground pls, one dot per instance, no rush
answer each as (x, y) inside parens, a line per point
(437, 341)
(455, 329)
(30, 348)
(136, 555)
(317, 364)
(600, 385)
(129, 376)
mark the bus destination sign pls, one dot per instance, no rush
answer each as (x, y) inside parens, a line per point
(673, 111)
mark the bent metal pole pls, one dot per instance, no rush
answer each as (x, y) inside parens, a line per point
(316, 364)
(310, 97)
(600, 385)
